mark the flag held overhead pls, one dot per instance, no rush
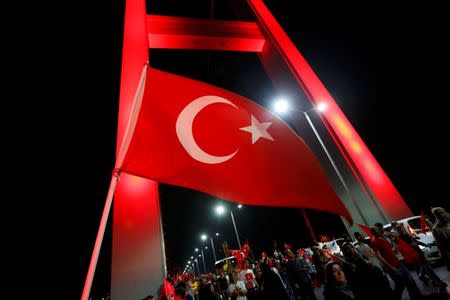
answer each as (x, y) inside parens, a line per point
(199, 136)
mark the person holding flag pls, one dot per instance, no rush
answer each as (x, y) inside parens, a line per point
(237, 288)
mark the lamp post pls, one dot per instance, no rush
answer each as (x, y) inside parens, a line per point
(193, 267)
(204, 237)
(198, 268)
(282, 106)
(221, 210)
(203, 258)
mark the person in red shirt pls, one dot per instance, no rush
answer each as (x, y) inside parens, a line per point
(394, 266)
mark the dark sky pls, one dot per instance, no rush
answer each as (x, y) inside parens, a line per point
(385, 66)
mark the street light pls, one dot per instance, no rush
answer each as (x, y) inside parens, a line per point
(322, 107)
(283, 107)
(203, 238)
(220, 209)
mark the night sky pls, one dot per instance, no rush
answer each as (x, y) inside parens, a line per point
(385, 66)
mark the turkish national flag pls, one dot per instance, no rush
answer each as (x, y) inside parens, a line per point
(169, 289)
(422, 222)
(246, 248)
(202, 137)
(238, 255)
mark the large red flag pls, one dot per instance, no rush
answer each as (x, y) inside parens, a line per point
(202, 137)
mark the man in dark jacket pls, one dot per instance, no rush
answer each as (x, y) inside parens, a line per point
(299, 277)
(271, 287)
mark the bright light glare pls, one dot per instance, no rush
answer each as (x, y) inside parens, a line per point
(220, 209)
(196, 249)
(321, 107)
(217, 234)
(192, 257)
(206, 248)
(203, 237)
(240, 206)
(281, 106)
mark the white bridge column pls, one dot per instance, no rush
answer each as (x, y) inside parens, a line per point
(138, 258)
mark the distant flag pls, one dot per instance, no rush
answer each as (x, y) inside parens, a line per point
(246, 249)
(324, 238)
(183, 277)
(287, 246)
(169, 289)
(239, 255)
(334, 257)
(249, 276)
(422, 222)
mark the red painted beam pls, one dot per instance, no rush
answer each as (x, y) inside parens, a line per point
(167, 32)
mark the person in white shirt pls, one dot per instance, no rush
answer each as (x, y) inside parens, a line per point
(248, 277)
(237, 288)
(366, 252)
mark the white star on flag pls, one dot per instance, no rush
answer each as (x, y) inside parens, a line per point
(258, 130)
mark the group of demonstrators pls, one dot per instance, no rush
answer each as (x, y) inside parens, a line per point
(360, 270)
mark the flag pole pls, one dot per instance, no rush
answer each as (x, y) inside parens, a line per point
(235, 229)
(129, 129)
(99, 239)
(308, 224)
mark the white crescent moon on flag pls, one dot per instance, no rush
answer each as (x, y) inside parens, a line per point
(184, 130)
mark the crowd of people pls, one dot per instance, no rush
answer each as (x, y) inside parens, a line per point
(361, 270)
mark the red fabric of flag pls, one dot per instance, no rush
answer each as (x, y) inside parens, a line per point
(287, 246)
(334, 257)
(169, 289)
(422, 222)
(246, 249)
(238, 255)
(202, 137)
(366, 229)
